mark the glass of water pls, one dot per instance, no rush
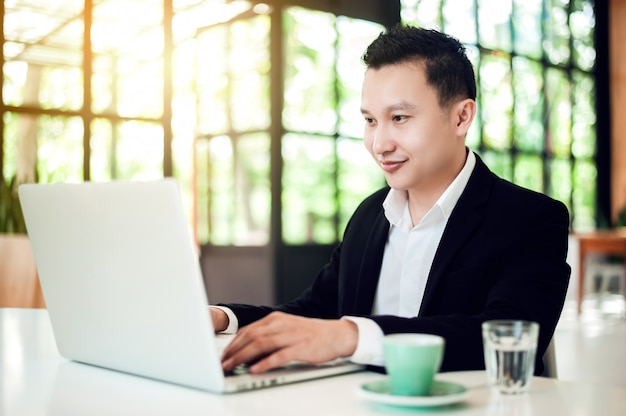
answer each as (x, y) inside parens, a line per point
(510, 347)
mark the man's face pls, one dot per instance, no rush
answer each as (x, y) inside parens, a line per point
(417, 144)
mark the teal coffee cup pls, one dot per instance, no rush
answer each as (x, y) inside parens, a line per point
(411, 361)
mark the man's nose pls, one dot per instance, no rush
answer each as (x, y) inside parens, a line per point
(382, 141)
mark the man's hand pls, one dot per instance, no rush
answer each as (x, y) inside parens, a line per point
(219, 318)
(280, 338)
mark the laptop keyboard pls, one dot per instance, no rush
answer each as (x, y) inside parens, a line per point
(240, 370)
(244, 369)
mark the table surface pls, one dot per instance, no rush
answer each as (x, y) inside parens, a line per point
(36, 380)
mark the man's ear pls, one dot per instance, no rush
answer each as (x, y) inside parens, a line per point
(463, 114)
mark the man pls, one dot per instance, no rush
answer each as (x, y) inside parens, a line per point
(446, 247)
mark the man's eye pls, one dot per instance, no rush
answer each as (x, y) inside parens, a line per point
(399, 118)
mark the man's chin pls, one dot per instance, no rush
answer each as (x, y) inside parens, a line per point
(397, 185)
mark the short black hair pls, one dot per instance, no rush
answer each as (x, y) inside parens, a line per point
(447, 67)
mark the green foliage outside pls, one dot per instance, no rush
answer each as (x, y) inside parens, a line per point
(11, 217)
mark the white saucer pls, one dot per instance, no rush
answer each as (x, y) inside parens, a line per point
(442, 393)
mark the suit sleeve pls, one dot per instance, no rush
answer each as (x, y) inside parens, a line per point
(329, 293)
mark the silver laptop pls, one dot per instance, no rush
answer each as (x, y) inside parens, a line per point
(122, 283)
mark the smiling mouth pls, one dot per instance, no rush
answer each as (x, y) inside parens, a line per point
(390, 166)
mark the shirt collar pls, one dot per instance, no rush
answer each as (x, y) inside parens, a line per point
(395, 203)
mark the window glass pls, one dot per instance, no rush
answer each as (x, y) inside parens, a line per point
(528, 172)
(559, 112)
(103, 142)
(184, 119)
(460, 19)
(583, 127)
(353, 37)
(424, 13)
(138, 150)
(10, 143)
(529, 111)
(212, 81)
(128, 47)
(473, 139)
(60, 88)
(527, 27)
(129, 150)
(233, 76)
(535, 125)
(43, 54)
(231, 152)
(310, 96)
(584, 194)
(215, 183)
(252, 187)
(249, 74)
(309, 192)
(127, 86)
(323, 81)
(203, 164)
(219, 197)
(495, 87)
(136, 87)
(474, 135)
(582, 23)
(359, 176)
(59, 148)
(495, 27)
(233, 189)
(556, 31)
(499, 162)
(104, 83)
(43, 86)
(561, 180)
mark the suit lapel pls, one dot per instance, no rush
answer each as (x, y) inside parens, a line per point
(465, 219)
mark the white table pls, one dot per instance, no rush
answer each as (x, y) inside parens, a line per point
(36, 380)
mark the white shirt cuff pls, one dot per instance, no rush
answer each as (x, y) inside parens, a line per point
(369, 347)
(233, 322)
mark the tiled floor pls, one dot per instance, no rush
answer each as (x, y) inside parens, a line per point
(592, 347)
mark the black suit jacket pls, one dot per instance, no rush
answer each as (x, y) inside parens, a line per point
(501, 256)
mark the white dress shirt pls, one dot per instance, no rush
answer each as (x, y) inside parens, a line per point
(408, 256)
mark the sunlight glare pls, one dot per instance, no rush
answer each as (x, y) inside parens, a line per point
(221, 148)
(495, 11)
(262, 8)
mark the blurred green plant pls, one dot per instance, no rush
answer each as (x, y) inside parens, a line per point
(11, 216)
